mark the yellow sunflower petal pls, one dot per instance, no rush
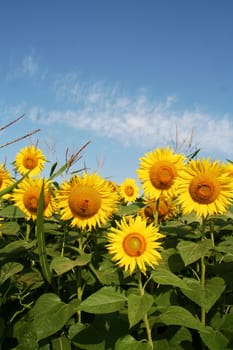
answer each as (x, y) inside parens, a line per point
(204, 187)
(129, 190)
(30, 158)
(158, 171)
(26, 197)
(88, 201)
(133, 244)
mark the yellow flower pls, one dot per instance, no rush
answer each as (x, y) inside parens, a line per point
(166, 210)
(5, 180)
(134, 244)
(30, 158)
(87, 200)
(205, 187)
(158, 171)
(26, 197)
(229, 168)
(129, 190)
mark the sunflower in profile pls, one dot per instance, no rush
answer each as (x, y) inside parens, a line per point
(205, 187)
(129, 190)
(88, 201)
(133, 244)
(158, 171)
(5, 180)
(26, 197)
(30, 158)
(166, 208)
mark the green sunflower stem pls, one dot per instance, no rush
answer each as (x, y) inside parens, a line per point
(203, 272)
(79, 293)
(145, 318)
(156, 216)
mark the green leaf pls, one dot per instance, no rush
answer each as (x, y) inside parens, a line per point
(10, 228)
(31, 280)
(12, 212)
(179, 316)
(61, 343)
(62, 264)
(215, 340)
(105, 300)
(166, 277)
(129, 343)
(191, 252)
(50, 315)
(206, 298)
(130, 209)
(41, 238)
(182, 335)
(87, 337)
(8, 270)
(26, 335)
(15, 248)
(138, 306)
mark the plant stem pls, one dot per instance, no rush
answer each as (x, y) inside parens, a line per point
(156, 215)
(203, 270)
(145, 318)
(79, 292)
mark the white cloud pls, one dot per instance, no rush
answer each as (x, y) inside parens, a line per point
(135, 120)
(27, 67)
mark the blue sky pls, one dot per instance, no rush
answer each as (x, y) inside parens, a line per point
(123, 74)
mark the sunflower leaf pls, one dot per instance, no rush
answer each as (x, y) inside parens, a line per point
(138, 306)
(41, 238)
(105, 300)
(191, 252)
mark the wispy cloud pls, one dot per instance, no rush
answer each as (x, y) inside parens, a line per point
(137, 120)
(27, 67)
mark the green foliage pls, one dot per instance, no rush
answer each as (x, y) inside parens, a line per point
(59, 288)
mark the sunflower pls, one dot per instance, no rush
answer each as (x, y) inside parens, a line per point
(134, 244)
(26, 197)
(158, 171)
(87, 200)
(205, 187)
(229, 168)
(166, 210)
(129, 190)
(29, 158)
(5, 180)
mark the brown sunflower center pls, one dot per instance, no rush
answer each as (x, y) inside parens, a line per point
(30, 162)
(134, 244)
(1, 181)
(162, 174)
(31, 198)
(129, 191)
(84, 201)
(204, 190)
(163, 208)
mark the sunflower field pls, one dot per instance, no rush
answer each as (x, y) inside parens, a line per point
(86, 263)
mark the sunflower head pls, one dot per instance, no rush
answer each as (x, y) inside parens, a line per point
(88, 201)
(166, 208)
(26, 197)
(158, 171)
(5, 180)
(129, 190)
(30, 158)
(134, 244)
(205, 187)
